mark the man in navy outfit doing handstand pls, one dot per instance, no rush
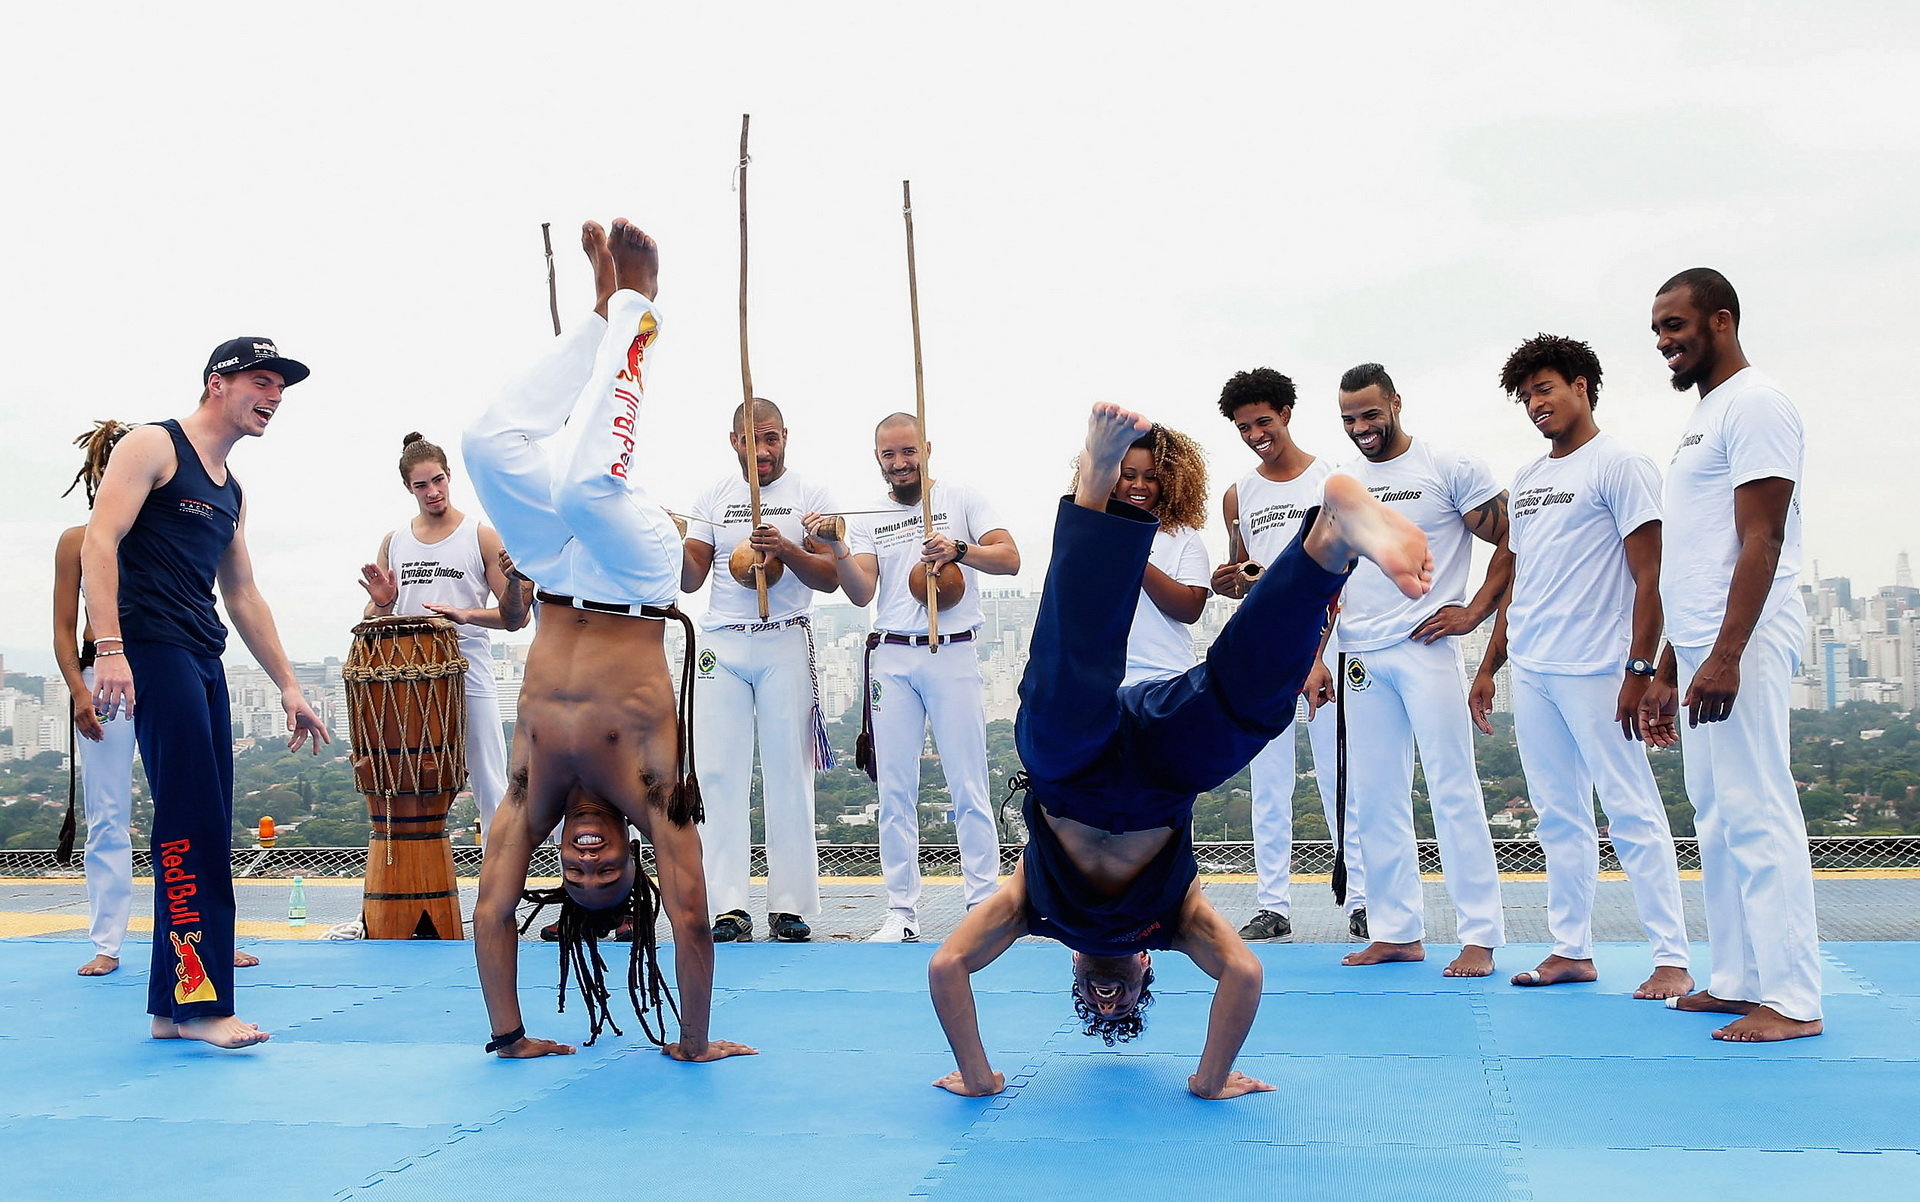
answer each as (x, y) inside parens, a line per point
(1109, 868)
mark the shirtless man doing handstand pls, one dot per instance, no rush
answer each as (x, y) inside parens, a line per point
(1109, 868)
(597, 745)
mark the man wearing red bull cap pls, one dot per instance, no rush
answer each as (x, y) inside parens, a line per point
(168, 522)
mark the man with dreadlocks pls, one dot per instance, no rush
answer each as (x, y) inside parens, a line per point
(597, 745)
(1113, 769)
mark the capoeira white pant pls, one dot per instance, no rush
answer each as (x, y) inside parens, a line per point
(759, 678)
(106, 783)
(569, 512)
(1754, 866)
(486, 743)
(1569, 746)
(1412, 694)
(913, 687)
(1274, 779)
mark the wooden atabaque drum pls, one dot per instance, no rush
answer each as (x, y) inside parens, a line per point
(407, 723)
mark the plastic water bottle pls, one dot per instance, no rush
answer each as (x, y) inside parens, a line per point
(297, 904)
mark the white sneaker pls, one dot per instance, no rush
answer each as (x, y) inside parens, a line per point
(895, 930)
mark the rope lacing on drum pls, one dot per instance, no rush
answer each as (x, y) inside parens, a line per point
(393, 729)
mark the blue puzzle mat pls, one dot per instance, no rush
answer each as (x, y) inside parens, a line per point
(1392, 1083)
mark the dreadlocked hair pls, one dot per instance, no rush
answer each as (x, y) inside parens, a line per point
(98, 443)
(416, 450)
(580, 933)
(1181, 466)
(1115, 1028)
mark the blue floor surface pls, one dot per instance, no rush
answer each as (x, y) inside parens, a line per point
(1393, 1083)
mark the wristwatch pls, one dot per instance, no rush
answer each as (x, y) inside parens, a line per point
(959, 550)
(1639, 667)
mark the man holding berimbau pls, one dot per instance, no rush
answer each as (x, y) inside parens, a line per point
(755, 677)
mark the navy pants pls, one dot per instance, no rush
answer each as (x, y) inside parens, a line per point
(1132, 759)
(184, 729)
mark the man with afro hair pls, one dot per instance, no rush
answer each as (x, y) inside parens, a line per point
(1581, 624)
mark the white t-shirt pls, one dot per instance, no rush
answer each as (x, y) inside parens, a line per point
(449, 572)
(1158, 646)
(1742, 431)
(1572, 607)
(895, 538)
(726, 510)
(1433, 488)
(1271, 510)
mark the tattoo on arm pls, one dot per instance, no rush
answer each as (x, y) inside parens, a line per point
(1489, 521)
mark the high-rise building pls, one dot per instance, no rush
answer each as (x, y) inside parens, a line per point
(1836, 674)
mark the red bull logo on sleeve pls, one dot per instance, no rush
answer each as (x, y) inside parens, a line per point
(623, 423)
(629, 397)
(190, 982)
(637, 349)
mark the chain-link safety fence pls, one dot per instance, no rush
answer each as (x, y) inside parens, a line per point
(1864, 854)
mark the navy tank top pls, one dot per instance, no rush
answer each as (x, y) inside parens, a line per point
(1063, 905)
(170, 556)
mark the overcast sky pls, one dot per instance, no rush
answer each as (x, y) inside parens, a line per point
(1110, 204)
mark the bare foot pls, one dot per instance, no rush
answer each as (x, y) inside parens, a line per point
(1764, 1024)
(636, 259)
(99, 966)
(1667, 981)
(1353, 524)
(1471, 962)
(228, 1032)
(245, 960)
(1705, 1003)
(1556, 970)
(1386, 953)
(593, 240)
(1110, 431)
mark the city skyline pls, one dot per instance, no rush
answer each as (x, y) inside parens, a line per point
(1303, 188)
(1862, 645)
